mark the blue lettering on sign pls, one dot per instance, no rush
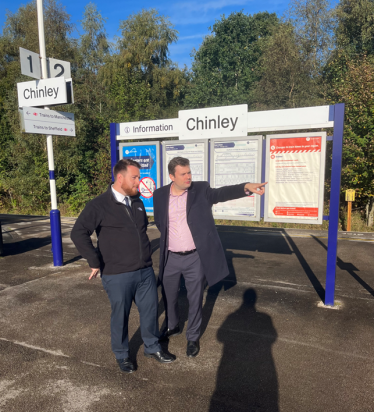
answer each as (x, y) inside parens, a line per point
(223, 145)
(177, 147)
(146, 156)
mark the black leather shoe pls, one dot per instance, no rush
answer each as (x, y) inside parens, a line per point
(161, 357)
(193, 348)
(126, 365)
(168, 333)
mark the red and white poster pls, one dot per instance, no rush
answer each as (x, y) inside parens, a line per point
(295, 174)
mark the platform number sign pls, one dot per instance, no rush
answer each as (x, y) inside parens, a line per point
(30, 65)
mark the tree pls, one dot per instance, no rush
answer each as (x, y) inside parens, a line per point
(353, 84)
(143, 82)
(225, 66)
(314, 23)
(24, 173)
(355, 26)
(286, 80)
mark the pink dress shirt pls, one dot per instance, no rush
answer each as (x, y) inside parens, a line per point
(180, 238)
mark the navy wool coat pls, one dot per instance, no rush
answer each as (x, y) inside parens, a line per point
(200, 220)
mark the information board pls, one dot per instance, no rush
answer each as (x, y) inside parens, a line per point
(148, 155)
(235, 161)
(295, 171)
(195, 151)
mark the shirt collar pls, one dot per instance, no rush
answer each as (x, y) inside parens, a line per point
(119, 196)
(171, 193)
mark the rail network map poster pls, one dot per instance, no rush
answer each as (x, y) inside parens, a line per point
(147, 155)
(295, 170)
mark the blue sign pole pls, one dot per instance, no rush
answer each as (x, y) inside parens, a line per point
(336, 167)
(113, 147)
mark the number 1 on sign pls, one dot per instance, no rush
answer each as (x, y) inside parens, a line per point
(30, 60)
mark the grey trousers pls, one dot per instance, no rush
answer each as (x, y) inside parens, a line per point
(191, 268)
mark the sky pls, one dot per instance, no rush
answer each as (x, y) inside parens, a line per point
(191, 19)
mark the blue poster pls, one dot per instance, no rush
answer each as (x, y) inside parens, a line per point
(146, 156)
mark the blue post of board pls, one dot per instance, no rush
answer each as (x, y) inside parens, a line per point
(336, 167)
(263, 171)
(113, 147)
(56, 237)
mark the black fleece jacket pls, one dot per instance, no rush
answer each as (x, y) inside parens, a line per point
(123, 244)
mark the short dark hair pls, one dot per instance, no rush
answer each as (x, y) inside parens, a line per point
(121, 166)
(177, 161)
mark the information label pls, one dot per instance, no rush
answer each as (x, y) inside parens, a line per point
(233, 162)
(295, 172)
(196, 152)
(148, 156)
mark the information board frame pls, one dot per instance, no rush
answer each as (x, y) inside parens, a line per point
(268, 191)
(165, 173)
(259, 139)
(148, 208)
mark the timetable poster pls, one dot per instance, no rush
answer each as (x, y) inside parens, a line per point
(295, 172)
(234, 162)
(195, 152)
(146, 154)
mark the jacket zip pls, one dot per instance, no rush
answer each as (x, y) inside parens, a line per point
(137, 231)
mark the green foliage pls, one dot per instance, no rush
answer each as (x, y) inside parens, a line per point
(353, 84)
(225, 66)
(355, 28)
(286, 80)
(256, 59)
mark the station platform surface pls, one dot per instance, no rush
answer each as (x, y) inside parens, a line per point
(268, 343)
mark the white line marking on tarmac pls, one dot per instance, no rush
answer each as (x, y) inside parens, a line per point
(49, 351)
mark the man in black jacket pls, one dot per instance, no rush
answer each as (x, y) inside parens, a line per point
(123, 255)
(190, 244)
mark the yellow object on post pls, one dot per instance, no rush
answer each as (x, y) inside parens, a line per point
(349, 197)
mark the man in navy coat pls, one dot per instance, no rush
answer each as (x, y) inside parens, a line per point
(190, 244)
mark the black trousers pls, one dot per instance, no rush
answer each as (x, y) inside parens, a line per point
(191, 268)
(122, 290)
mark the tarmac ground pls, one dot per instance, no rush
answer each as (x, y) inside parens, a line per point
(268, 343)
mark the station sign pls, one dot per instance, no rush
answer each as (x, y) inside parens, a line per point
(45, 92)
(225, 121)
(50, 122)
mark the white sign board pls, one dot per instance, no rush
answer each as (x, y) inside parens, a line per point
(58, 68)
(235, 161)
(225, 121)
(30, 63)
(49, 122)
(43, 92)
(148, 129)
(295, 172)
(196, 152)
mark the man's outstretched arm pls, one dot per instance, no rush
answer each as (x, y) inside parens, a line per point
(225, 193)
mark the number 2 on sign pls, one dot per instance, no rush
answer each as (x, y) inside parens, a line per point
(56, 66)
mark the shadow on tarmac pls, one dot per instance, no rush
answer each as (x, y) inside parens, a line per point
(350, 268)
(246, 378)
(26, 245)
(247, 239)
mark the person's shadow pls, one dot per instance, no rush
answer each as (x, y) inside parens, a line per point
(246, 378)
